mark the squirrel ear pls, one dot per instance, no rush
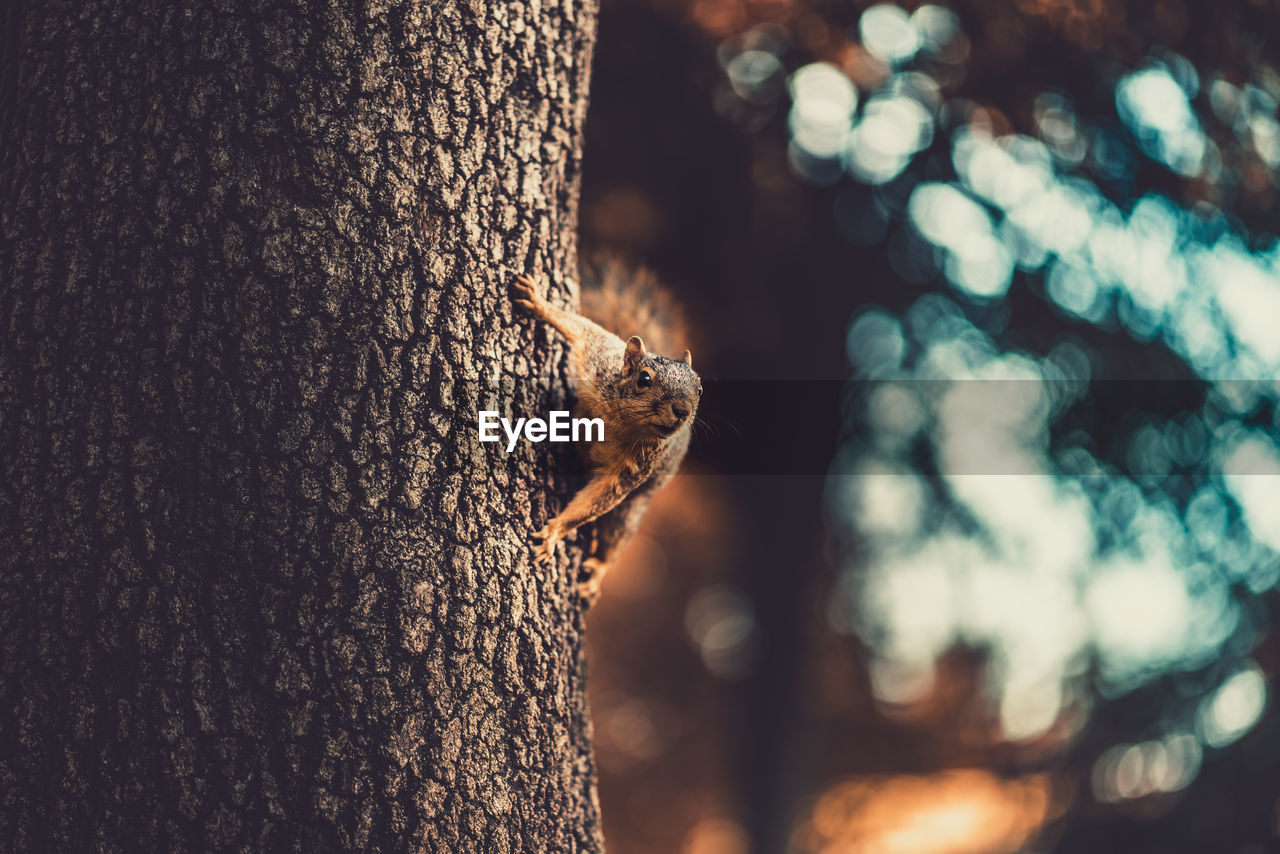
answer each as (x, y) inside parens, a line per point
(635, 352)
(688, 359)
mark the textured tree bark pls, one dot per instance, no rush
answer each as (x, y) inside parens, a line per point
(260, 588)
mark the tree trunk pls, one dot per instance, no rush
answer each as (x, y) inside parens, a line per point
(260, 587)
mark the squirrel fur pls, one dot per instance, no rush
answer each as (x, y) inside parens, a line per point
(647, 402)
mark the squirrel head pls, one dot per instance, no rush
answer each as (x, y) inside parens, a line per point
(662, 393)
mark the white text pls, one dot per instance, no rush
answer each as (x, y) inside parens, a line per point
(559, 428)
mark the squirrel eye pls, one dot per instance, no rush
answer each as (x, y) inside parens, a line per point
(699, 389)
(644, 380)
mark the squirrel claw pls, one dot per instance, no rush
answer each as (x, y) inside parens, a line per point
(544, 552)
(543, 555)
(524, 293)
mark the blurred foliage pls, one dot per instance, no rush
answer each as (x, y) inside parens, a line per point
(1056, 515)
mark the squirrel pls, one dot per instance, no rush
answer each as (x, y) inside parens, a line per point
(646, 401)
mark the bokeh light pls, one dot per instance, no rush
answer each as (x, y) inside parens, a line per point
(958, 812)
(1061, 456)
(889, 34)
(1082, 565)
(1153, 104)
(1234, 708)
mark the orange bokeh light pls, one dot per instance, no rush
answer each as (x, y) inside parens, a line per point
(953, 812)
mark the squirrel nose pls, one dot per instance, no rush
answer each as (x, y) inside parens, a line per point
(681, 410)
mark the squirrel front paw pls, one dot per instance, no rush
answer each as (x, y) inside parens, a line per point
(589, 588)
(526, 293)
(544, 552)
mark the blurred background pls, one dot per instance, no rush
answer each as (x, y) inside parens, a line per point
(980, 543)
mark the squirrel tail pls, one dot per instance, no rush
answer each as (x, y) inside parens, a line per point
(628, 300)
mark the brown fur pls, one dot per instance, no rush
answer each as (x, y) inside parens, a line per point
(630, 301)
(647, 403)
